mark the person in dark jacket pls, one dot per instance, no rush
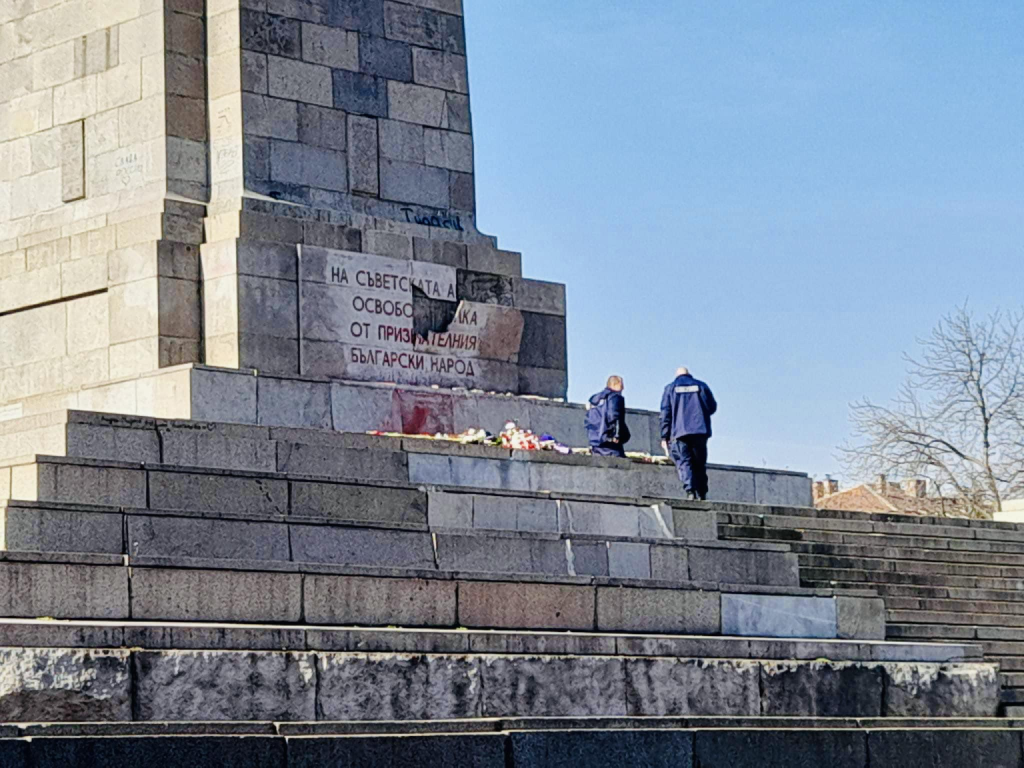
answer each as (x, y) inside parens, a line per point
(606, 420)
(686, 410)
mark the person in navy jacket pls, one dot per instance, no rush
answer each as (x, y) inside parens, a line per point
(606, 420)
(686, 410)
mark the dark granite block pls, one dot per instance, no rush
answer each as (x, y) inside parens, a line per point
(602, 749)
(543, 343)
(360, 94)
(387, 58)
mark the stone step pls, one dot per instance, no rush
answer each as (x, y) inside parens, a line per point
(806, 518)
(904, 553)
(910, 566)
(327, 452)
(180, 589)
(75, 684)
(987, 541)
(960, 606)
(931, 633)
(1011, 679)
(953, 618)
(850, 576)
(523, 743)
(291, 538)
(166, 635)
(271, 494)
(912, 590)
(1009, 663)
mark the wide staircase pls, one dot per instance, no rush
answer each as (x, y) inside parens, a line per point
(942, 579)
(196, 594)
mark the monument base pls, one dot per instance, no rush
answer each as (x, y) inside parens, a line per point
(202, 393)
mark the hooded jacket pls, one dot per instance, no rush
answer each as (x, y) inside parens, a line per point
(686, 408)
(606, 418)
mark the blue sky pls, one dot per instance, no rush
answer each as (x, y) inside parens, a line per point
(781, 195)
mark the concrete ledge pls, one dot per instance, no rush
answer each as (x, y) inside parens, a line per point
(306, 686)
(523, 743)
(223, 444)
(306, 637)
(150, 590)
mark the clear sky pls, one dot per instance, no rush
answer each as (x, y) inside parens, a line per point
(780, 195)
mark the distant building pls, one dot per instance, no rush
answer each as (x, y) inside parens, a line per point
(908, 498)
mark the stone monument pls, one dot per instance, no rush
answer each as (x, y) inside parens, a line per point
(282, 186)
(233, 234)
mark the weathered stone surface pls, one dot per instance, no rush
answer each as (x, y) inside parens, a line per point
(860, 618)
(692, 687)
(363, 168)
(695, 524)
(552, 686)
(485, 288)
(930, 690)
(89, 485)
(295, 163)
(354, 546)
(386, 58)
(764, 748)
(412, 183)
(778, 616)
(52, 530)
(63, 685)
(628, 560)
(658, 610)
(449, 510)
(331, 47)
(670, 563)
(424, 27)
(479, 553)
(648, 748)
(592, 517)
(222, 493)
(264, 33)
(195, 685)
(358, 503)
(497, 605)
(294, 403)
(744, 567)
(29, 590)
(926, 748)
(300, 458)
(360, 94)
(475, 751)
(210, 448)
(397, 687)
(360, 15)
(503, 513)
(587, 558)
(180, 595)
(214, 539)
(821, 689)
(379, 602)
(168, 752)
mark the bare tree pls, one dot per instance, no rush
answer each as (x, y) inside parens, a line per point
(958, 419)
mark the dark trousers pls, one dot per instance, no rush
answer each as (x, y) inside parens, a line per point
(690, 455)
(608, 449)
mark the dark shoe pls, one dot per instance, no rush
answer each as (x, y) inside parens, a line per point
(691, 496)
(702, 497)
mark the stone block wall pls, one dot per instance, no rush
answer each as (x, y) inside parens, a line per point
(102, 118)
(345, 105)
(161, 162)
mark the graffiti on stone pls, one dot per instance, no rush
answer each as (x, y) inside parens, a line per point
(359, 320)
(440, 220)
